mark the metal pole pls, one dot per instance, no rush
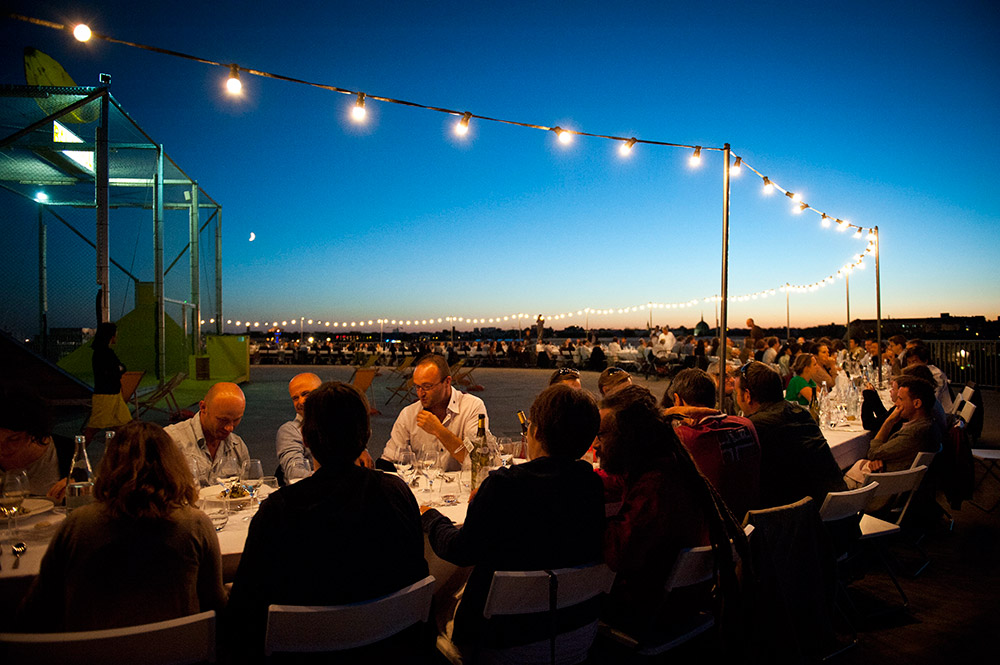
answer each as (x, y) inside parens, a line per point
(847, 282)
(101, 196)
(723, 356)
(160, 314)
(193, 258)
(43, 283)
(788, 315)
(878, 303)
(218, 269)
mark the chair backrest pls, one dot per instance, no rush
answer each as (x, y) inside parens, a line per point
(694, 565)
(363, 378)
(130, 381)
(527, 592)
(923, 459)
(968, 391)
(964, 410)
(299, 628)
(893, 484)
(840, 505)
(189, 639)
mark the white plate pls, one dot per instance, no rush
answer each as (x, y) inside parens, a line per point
(215, 492)
(32, 506)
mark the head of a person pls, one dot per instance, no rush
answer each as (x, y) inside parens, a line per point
(757, 385)
(563, 421)
(143, 474)
(921, 372)
(613, 379)
(804, 365)
(823, 353)
(567, 375)
(897, 344)
(299, 388)
(914, 397)
(633, 433)
(24, 418)
(222, 410)
(917, 355)
(691, 387)
(432, 379)
(749, 323)
(713, 372)
(105, 335)
(336, 424)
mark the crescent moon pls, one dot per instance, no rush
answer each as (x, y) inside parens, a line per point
(253, 236)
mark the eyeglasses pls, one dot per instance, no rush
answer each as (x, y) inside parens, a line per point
(428, 387)
(743, 370)
(567, 371)
(614, 370)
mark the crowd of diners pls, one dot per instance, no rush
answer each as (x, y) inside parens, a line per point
(626, 477)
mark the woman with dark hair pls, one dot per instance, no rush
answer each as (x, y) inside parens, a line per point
(347, 533)
(802, 388)
(140, 553)
(668, 505)
(108, 410)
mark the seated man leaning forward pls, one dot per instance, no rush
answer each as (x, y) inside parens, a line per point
(208, 438)
(795, 459)
(894, 451)
(443, 418)
(344, 535)
(544, 514)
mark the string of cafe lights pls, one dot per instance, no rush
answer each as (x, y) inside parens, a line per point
(358, 113)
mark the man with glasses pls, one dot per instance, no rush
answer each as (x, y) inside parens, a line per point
(443, 418)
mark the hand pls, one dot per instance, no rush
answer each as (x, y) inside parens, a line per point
(428, 422)
(692, 412)
(875, 465)
(58, 491)
(365, 460)
(424, 509)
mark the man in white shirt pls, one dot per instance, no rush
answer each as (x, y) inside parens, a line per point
(917, 353)
(443, 418)
(294, 458)
(208, 437)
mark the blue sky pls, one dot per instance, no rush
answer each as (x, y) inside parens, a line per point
(880, 113)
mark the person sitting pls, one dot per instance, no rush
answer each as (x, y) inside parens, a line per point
(294, 459)
(917, 353)
(725, 448)
(893, 449)
(567, 375)
(208, 438)
(801, 387)
(140, 553)
(342, 519)
(544, 514)
(612, 380)
(667, 506)
(828, 369)
(26, 444)
(796, 460)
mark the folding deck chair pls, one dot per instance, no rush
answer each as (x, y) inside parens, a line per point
(165, 392)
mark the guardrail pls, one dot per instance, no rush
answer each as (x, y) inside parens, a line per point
(967, 360)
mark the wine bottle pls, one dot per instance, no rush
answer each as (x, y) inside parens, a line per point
(80, 484)
(523, 453)
(479, 457)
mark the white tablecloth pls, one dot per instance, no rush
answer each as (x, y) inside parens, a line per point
(848, 444)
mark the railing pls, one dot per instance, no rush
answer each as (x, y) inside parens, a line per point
(967, 360)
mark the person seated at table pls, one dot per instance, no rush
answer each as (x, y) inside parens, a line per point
(801, 387)
(728, 401)
(294, 459)
(345, 534)
(546, 513)
(208, 438)
(893, 449)
(725, 448)
(140, 553)
(567, 375)
(612, 380)
(441, 420)
(26, 443)
(667, 506)
(796, 460)
(917, 353)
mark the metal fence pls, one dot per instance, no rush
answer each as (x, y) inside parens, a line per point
(967, 360)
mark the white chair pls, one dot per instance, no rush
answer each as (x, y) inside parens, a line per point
(189, 639)
(304, 629)
(529, 592)
(841, 505)
(964, 410)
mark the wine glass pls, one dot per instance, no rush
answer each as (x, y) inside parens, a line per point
(407, 466)
(427, 459)
(228, 471)
(13, 489)
(217, 509)
(252, 475)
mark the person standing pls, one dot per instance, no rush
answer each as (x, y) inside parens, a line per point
(108, 409)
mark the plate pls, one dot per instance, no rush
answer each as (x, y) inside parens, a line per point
(215, 492)
(34, 506)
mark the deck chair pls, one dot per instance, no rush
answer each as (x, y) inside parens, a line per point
(190, 639)
(403, 391)
(165, 392)
(309, 629)
(402, 368)
(530, 592)
(462, 375)
(130, 381)
(362, 380)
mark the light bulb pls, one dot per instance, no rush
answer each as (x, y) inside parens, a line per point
(233, 84)
(462, 127)
(82, 32)
(359, 112)
(737, 167)
(768, 186)
(626, 148)
(564, 137)
(826, 220)
(695, 159)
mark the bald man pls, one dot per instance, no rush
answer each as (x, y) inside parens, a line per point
(294, 458)
(208, 437)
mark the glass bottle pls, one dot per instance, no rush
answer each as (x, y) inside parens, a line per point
(80, 484)
(479, 457)
(523, 453)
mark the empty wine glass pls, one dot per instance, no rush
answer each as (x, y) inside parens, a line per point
(427, 460)
(217, 510)
(228, 471)
(13, 489)
(407, 466)
(252, 475)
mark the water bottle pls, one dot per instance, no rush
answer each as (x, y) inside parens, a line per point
(80, 485)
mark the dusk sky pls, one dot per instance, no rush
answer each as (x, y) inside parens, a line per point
(879, 113)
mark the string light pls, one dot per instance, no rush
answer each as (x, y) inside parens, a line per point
(826, 220)
(233, 84)
(768, 186)
(82, 32)
(564, 136)
(462, 126)
(695, 159)
(358, 113)
(626, 148)
(737, 167)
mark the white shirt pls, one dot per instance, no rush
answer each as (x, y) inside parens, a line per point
(190, 438)
(943, 394)
(461, 419)
(667, 340)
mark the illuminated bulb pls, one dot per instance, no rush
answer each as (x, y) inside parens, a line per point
(695, 159)
(737, 167)
(359, 112)
(233, 84)
(768, 186)
(797, 198)
(82, 32)
(857, 234)
(462, 127)
(799, 208)
(41, 197)
(826, 220)
(841, 225)
(626, 149)
(564, 136)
